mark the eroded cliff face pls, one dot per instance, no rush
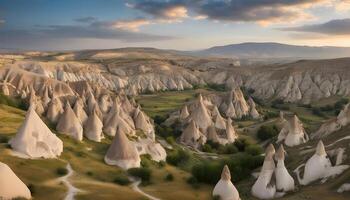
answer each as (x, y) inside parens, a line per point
(302, 81)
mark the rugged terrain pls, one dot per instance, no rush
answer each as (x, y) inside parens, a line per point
(163, 82)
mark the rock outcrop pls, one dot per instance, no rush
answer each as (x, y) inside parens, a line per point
(333, 125)
(35, 140)
(93, 128)
(284, 181)
(262, 188)
(11, 187)
(319, 166)
(200, 115)
(69, 124)
(192, 136)
(55, 109)
(293, 132)
(224, 188)
(122, 152)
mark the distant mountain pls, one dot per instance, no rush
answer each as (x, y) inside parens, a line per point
(274, 50)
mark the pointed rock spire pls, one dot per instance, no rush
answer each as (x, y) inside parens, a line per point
(79, 111)
(143, 123)
(280, 155)
(220, 122)
(122, 152)
(284, 181)
(93, 128)
(212, 134)
(231, 111)
(184, 113)
(191, 135)
(231, 134)
(224, 188)
(69, 124)
(317, 166)
(320, 150)
(11, 186)
(5, 89)
(200, 115)
(240, 104)
(54, 110)
(262, 188)
(35, 139)
(114, 122)
(293, 132)
(252, 109)
(104, 103)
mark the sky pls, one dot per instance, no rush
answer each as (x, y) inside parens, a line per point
(170, 24)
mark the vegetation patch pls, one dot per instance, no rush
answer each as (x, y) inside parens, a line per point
(143, 173)
(266, 132)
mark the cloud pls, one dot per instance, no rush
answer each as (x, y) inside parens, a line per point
(342, 5)
(260, 11)
(65, 34)
(86, 19)
(173, 10)
(129, 25)
(333, 27)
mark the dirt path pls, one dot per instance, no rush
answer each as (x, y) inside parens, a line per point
(135, 187)
(72, 191)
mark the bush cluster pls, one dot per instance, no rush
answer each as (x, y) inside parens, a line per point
(279, 104)
(266, 132)
(335, 108)
(143, 173)
(17, 103)
(240, 145)
(121, 180)
(240, 165)
(178, 157)
(61, 171)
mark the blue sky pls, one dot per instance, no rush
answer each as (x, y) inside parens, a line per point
(171, 24)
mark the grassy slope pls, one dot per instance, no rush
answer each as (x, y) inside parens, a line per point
(92, 176)
(95, 178)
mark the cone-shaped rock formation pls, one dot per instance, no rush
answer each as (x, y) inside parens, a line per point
(224, 188)
(122, 152)
(34, 138)
(11, 187)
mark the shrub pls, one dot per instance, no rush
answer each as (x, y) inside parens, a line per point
(267, 131)
(143, 173)
(216, 197)
(32, 188)
(177, 157)
(169, 177)
(207, 148)
(89, 173)
(161, 164)
(61, 171)
(18, 103)
(121, 180)
(317, 111)
(254, 150)
(159, 119)
(164, 131)
(4, 139)
(207, 172)
(216, 87)
(269, 115)
(170, 140)
(228, 149)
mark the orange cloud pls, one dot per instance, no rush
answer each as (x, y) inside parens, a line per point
(130, 25)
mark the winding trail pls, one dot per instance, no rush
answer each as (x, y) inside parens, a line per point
(135, 187)
(72, 191)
